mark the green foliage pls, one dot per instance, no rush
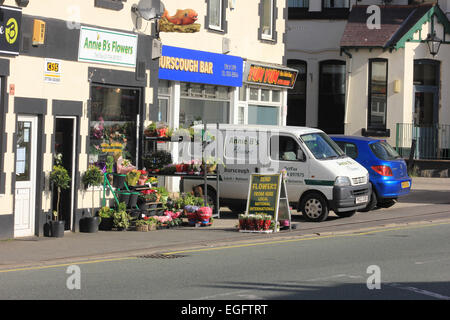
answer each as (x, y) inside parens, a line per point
(60, 177)
(157, 160)
(121, 219)
(106, 212)
(61, 180)
(189, 199)
(92, 177)
(122, 207)
(110, 164)
(133, 177)
(140, 223)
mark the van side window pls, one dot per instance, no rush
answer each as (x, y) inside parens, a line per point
(350, 149)
(284, 148)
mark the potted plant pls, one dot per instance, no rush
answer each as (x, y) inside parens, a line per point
(141, 225)
(204, 214)
(151, 223)
(61, 180)
(110, 169)
(157, 160)
(121, 220)
(93, 177)
(242, 220)
(143, 177)
(133, 177)
(106, 218)
(150, 130)
(267, 222)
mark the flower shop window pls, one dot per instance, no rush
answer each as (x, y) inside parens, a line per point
(113, 124)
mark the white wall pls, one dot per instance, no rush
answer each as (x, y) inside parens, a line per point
(314, 41)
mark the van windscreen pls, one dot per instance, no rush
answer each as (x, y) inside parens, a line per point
(321, 146)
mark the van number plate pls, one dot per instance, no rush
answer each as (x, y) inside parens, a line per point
(361, 199)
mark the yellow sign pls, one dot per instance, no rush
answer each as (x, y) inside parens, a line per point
(11, 31)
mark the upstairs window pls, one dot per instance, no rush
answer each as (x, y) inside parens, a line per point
(336, 4)
(267, 19)
(215, 14)
(298, 3)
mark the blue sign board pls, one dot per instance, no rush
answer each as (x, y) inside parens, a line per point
(187, 65)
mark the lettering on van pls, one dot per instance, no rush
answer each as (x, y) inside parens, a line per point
(237, 171)
(293, 172)
(245, 141)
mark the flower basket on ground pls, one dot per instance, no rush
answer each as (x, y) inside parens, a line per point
(256, 223)
(141, 225)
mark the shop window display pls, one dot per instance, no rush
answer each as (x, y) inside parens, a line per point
(113, 123)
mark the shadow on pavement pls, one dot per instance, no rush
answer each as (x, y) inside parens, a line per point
(426, 196)
(334, 289)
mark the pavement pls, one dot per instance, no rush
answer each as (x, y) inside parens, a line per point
(36, 251)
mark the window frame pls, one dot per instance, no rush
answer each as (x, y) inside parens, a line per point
(279, 135)
(330, 7)
(305, 5)
(369, 96)
(223, 21)
(272, 38)
(344, 143)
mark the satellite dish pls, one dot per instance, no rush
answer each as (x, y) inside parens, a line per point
(149, 9)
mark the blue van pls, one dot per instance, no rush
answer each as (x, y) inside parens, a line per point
(388, 172)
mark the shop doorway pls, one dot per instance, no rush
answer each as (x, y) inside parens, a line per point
(426, 108)
(25, 171)
(332, 96)
(296, 103)
(65, 155)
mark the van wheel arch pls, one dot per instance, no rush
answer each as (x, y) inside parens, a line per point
(212, 193)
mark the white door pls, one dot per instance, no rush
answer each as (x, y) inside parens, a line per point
(25, 208)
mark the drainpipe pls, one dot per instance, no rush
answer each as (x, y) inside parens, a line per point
(348, 78)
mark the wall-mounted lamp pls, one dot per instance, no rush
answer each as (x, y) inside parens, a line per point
(434, 43)
(397, 84)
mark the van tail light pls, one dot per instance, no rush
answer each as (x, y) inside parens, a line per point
(383, 170)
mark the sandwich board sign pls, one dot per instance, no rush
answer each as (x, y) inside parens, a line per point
(267, 195)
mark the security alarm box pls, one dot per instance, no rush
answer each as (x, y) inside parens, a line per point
(38, 32)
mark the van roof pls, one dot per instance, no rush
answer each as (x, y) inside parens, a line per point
(291, 129)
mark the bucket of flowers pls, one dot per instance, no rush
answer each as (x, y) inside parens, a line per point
(204, 215)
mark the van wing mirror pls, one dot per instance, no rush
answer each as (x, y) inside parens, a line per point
(301, 155)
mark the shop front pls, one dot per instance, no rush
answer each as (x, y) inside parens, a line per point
(197, 86)
(263, 97)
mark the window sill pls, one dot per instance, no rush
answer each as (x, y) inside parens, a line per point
(109, 4)
(215, 30)
(371, 132)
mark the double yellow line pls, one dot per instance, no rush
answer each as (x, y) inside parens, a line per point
(353, 234)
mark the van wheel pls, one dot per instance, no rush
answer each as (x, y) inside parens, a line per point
(346, 214)
(314, 207)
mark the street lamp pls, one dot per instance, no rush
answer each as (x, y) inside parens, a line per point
(434, 43)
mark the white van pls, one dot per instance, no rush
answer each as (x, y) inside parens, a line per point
(320, 177)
